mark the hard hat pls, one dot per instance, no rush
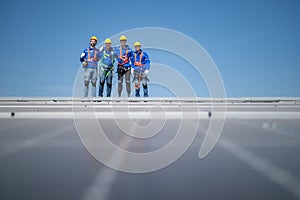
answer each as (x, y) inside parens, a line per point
(107, 41)
(94, 38)
(123, 37)
(137, 44)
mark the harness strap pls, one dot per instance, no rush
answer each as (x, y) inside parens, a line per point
(125, 59)
(89, 55)
(121, 53)
(107, 72)
(140, 60)
(105, 55)
(111, 55)
(136, 86)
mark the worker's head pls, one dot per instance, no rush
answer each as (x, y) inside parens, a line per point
(107, 43)
(137, 46)
(93, 41)
(123, 40)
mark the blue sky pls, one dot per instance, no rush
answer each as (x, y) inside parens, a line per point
(255, 44)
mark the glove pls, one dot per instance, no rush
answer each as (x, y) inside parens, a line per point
(132, 70)
(125, 60)
(146, 72)
(101, 48)
(84, 64)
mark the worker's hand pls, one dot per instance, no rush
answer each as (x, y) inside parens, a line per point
(84, 64)
(146, 72)
(101, 48)
(132, 70)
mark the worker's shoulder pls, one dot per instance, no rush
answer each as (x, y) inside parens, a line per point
(117, 48)
(145, 54)
(90, 49)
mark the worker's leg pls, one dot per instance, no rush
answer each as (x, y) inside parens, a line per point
(120, 83)
(94, 75)
(145, 86)
(136, 83)
(101, 83)
(128, 85)
(86, 88)
(137, 91)
(109, 84)
(86, 81)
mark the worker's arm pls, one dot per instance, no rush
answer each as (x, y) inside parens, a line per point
(117, 52)
(146, 61)
(130, 55)
(82, 56)
(101, 58)
(98, 55)
(132, 60)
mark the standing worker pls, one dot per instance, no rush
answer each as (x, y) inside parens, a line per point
(140, 69)
(106, 67)
(89, 58)
(124, 54)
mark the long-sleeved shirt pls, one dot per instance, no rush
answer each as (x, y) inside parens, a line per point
(91, 56)
(123, 55)
(107, 58)
(140, 60)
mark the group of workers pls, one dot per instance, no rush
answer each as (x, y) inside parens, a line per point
(100, 62)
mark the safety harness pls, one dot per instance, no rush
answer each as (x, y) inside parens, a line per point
(140, 60)
(89, 56)
(125, 57)
(136, 86)
(105, 55)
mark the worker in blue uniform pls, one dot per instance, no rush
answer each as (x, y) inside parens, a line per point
(89, 58)
(123, 53)
(106, 65)
(140, 69)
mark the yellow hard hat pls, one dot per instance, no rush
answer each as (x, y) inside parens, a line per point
(137, 44)
(123, 37)
(107, 41)
(94, 38)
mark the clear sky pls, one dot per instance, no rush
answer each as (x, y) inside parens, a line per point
(255, 44)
